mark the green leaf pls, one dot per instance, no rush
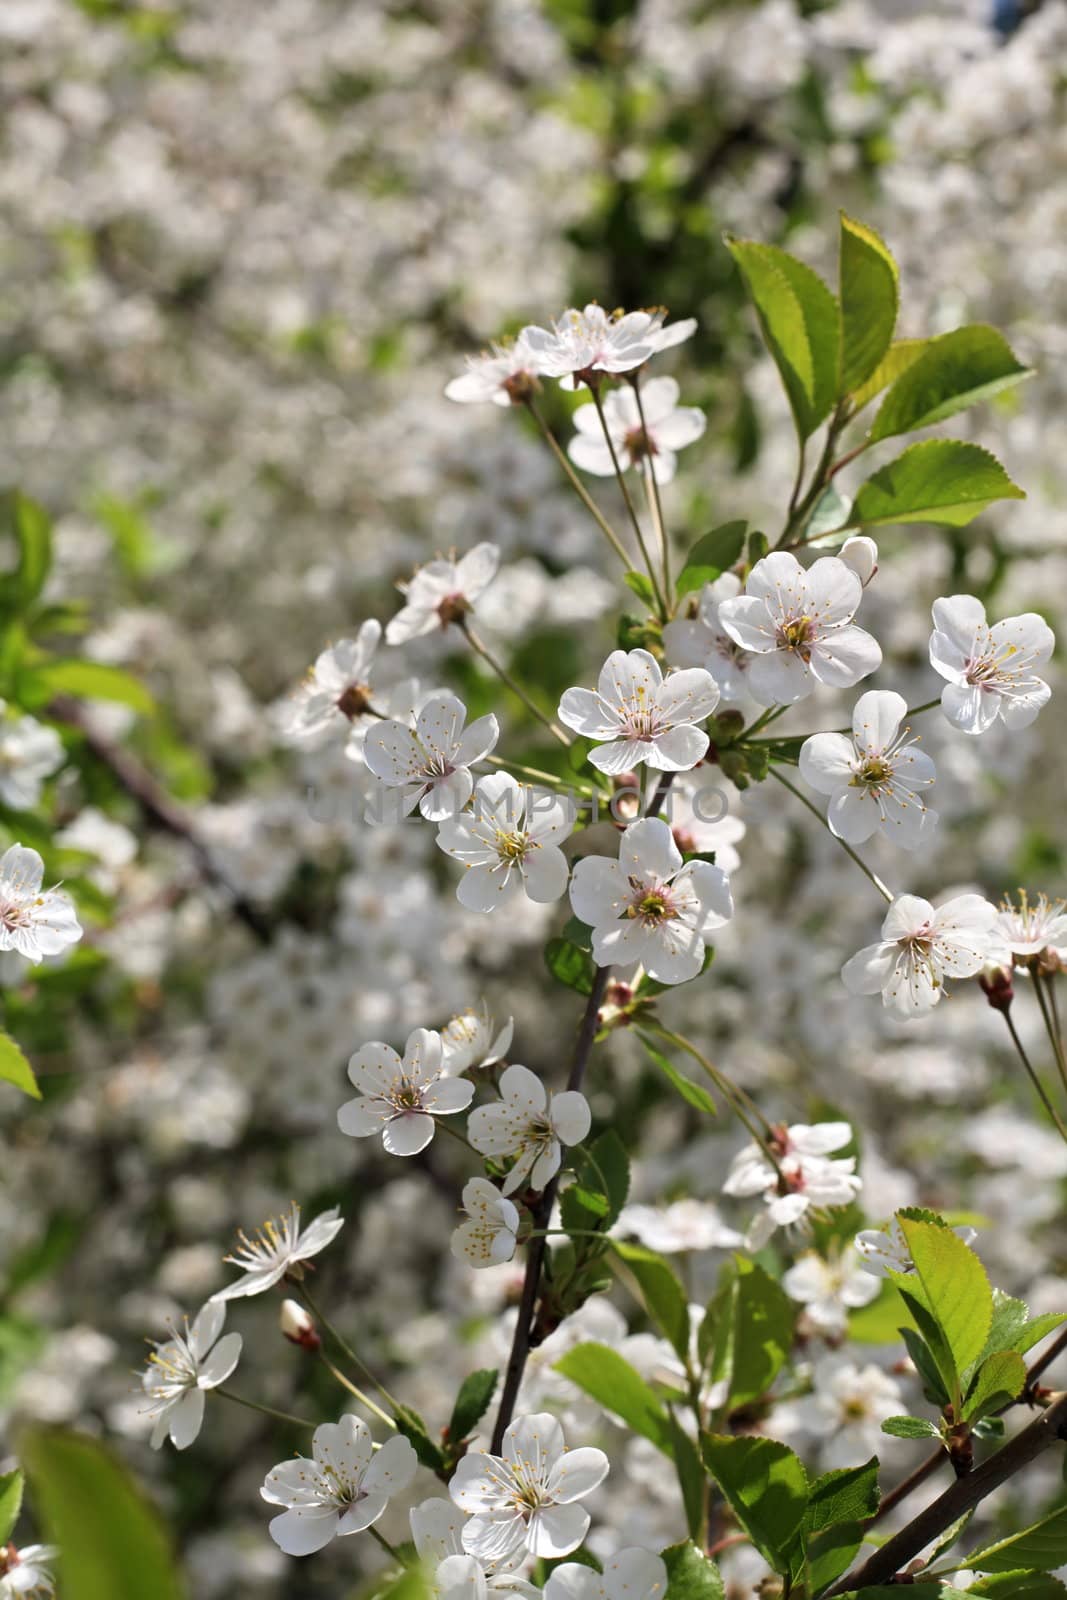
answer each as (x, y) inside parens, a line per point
(953, 372)
(11, 1485)
(1042, 1546)
(933, 1384)
(86, 680)
(641, 585)
(601, 1168)
(691, 1575)
(747, 1331)
(955, 1288)
(693, 1094)
(14, 1068)
(1036, 1329)
(692, 1479)
(940, 480)
(897, 359)
(472, 1402)
(1020, 1586)
(569, 965)
(999, 1380)
(114, 1545)
(767, 1488)
(799, 322)
(410, 1424)
(870, 297)
(33, 532)
(602, 1373)
(665, 1299)
(839, 1505)
(911, 1428)
(711, 556)
(828, 524)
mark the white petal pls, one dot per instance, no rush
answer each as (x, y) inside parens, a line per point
(556, 1530)
(827, 761)
(304, 1530)
(406, 1135)
(570, 1116)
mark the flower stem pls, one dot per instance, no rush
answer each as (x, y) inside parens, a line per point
(655, 505)
(266, 1411)
(343, 1344)
(505, 677)
(641, 545)
(389, 1549)
(886, 894)
(578, 486)
(1050, 1029)
(1032, 1075)
(551, 778)
(363, 1399)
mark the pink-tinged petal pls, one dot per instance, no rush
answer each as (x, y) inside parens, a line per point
(523, 1091)
(586, 713)
(362, 1117)
(868, 969)
(546, 874)
(448, 1095)
(392, 1468)
(304, 1530)
(477, 741)
(556, 1530)
(447, 796)
(749, 623)
(827, 760)
(647, 850)
(577, 1474)
(598, 890)
(570, 1116)
(185, 1418)
(876, 719)
(969, 707)
(779, 679)
(407, 1134)
(217, 1367)
(844, 656)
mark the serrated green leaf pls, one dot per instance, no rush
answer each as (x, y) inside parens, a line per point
(799, 321)
(14, 1068)
(410, 1424)
(472, 1402)
(711, 556)
(999, 1380)
(569, 965)
(897, 359)
(691, 1575)
(911, 1428)
(1019, 1586)
(601, 1168)
(767, 1488)
(693, 1094)
(113, 1543)
(599, 1371)
(665, 1299)
(1041, 1547)
(11, 1486)
(747, 1332)
(940, 480)
(870, 299)
(848, 1495)
(1036, 1329)
(955, 371)
(955, 1287)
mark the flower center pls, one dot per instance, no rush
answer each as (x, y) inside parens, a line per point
(453, 608)
(512, 847)
(651, 906)
(875, 772)
(354, 701)
(638, 444)
(797, 635)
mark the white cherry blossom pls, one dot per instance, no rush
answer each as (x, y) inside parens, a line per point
(702, 641)
(527, 1497)
(30, 752)
(801, 1178)
(399, 1099)
(277, 1249)
(643, 716)
(508, 841)
(336, 691)
(1031, 927)
(829, 1290)
(684, 1225)
(488, 1237)
(845, 1410)
(26, 1572)
(703, 818)
(437, 1531)
(441, 592)
(595, 341)
(861, 554)
(430, 763)
(876, 779)
(885, 1250)
(648, 906)
(630, 1574)
(799, 624)
(670, 427)
(470, 1039)
(921, 947)
(342, 1489)
(531, 1125)
(506, 374)
(991, 671)
(182, 1368)
(34, 921)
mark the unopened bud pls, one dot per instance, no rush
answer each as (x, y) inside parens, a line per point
(997, 987)
(298, 1326)
(861, 554)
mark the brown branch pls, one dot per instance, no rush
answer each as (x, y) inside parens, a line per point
(966, 1493)
(159, 809)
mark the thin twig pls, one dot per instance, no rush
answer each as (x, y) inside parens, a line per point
(505, 677)
(624, 486)
(887, 894)
(579, 487)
